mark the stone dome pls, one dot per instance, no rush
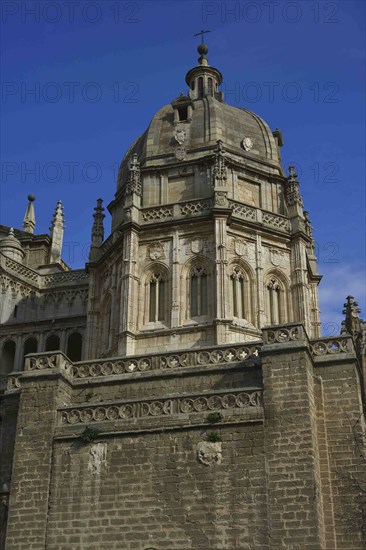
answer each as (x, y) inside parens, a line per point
(203, 118)
(210, 121)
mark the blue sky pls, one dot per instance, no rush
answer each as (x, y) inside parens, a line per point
(100, 70)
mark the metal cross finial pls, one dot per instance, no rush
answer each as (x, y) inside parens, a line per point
(201, 33)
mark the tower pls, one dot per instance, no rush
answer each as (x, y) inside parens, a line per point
(177, 393)
(210, 239)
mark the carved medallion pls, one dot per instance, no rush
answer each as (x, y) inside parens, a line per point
(277, 257)
(180, 153)
(247, 143)
(180, 135)
(220, 199)
(240, 247)
(155, 251)
(209, 453)
(196, 245)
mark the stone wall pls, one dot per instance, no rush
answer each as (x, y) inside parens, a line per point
(247, 447)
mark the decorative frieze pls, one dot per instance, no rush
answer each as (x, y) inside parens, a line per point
(67, 277)
(112, 367)
(278, 222)
(243, 211)
(332, 346)
(195, 208)
(161, 213)
(164, 407)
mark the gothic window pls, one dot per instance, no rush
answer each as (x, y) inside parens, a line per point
(238, 293)
(275, 300)
(200, 86)
(199, 291)
(30, 346)
(157, 298)
(8, 357)
(74, 346)
(53, 343)
(210, 86)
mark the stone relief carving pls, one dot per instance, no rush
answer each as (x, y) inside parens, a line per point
(209, 453)
(155, 251)
(180, 153)
(180, 135)
(247, 143)
(196, 245)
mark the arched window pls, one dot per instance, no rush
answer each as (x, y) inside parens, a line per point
(240, 307)
(275, 301)
(7, 357)
(200, 86)
(199, 291)
(157, 298)
(74, 346)
(53, 343)
(209, 86)
(30, 346)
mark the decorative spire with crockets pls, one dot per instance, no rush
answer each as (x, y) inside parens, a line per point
(134, 179)
(29, 221)
(352, 322)
(293, 195)
(97, 234)
(57, 233)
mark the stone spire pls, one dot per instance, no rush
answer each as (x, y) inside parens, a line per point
(29, 221)
(134, 178)
(352, 323)
(57, 233)
(97, 234)
(293, 195)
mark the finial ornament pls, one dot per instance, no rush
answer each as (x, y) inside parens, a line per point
(97, 233)
(293, 195)
(29, 221)
(57, 233)
(202, 48)
(134, 179)
(352, 324)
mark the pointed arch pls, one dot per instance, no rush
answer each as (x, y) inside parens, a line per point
(276, 289)
(199, 288)
(242, 295)
(156, 294)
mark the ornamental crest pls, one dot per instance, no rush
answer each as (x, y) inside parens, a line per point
(180, 153)
(155, 251)
(277, 257)
(240, 247)
(180, 135)
(247, 143)
(196, 245)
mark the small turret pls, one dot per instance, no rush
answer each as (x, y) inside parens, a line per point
(11, 247)
(97, 234)
(29, 221)
(57, 233)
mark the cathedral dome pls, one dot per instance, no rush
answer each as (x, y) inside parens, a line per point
(195, 122)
